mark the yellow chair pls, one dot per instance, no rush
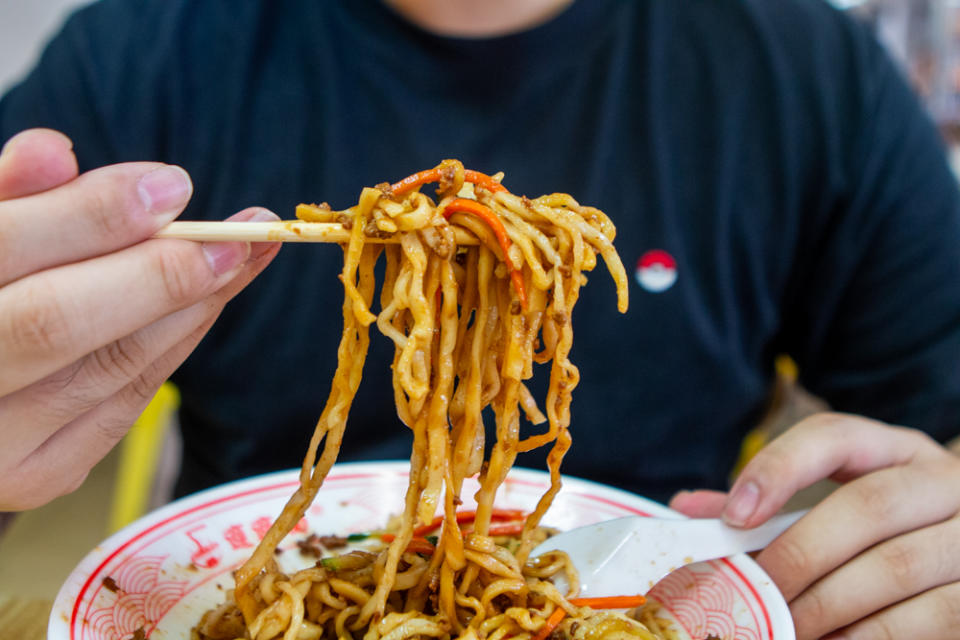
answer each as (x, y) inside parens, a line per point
(757, 439)
(139, 456)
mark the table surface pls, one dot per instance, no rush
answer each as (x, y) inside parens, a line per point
(24, 618)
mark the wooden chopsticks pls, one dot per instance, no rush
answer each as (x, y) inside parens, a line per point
(281, 231)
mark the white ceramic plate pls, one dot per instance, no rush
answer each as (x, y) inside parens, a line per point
(174, 564)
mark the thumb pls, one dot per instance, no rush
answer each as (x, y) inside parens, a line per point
(699, 504)
(34, 161)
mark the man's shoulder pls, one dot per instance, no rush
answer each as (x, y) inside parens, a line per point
(156, 21)
(789, 16)
(803, 30)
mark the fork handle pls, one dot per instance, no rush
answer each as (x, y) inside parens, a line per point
(731, 540)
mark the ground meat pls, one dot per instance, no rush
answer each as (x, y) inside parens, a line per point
(110, 584)
(310, 546)
(333, 542)
(448, 178)
(315, 546)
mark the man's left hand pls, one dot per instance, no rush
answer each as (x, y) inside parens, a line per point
(878, 558)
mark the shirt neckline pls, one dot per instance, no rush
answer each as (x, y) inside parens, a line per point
(562, 38)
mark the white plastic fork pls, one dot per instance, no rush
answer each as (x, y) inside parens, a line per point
(630, 555)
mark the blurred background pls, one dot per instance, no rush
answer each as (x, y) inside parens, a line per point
(924, 36)
(25, 25)
(39, 548)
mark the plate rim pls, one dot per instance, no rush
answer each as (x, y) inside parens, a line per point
(63, 613)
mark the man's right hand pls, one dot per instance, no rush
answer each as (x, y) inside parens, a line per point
(94, 314)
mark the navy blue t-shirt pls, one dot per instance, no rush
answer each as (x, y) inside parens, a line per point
(764, 152)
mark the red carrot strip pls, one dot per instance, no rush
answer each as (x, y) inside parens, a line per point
(473, 207)
(508, 514)
(464, 205)
(433, 175)
(463, 517)
(483, 180)
(550, 624)
(609, 602)
(511, 529)
(416, 180)
(417, 544)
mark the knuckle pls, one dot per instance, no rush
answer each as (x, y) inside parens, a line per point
(789, 557)
(772, 463)
(903, 563)
(181, 279)
(122, 359)
(809, 612)
(875, 496)
(875, 628)
(62, 395)
(822, 420)
(111, 430)
(39, 321)
(946, 605)
(99, 209)
(105, 207)
(26, 490)
(142, 389)
(61, 382)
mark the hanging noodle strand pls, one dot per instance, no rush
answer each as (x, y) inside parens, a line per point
(468, 324)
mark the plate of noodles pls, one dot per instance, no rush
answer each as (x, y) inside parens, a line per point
(479, 286)
(158, 577)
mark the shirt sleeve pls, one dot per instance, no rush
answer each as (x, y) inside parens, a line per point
(874, 319)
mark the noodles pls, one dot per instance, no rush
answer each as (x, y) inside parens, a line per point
(468, 324)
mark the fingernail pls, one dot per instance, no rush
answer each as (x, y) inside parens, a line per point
(225, 256)
(264, 215)
(258, 249)
(7, 146)
(62, 138)
(66, 140)
(743, 502)
(165, 190)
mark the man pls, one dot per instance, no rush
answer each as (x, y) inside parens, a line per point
(765, 155)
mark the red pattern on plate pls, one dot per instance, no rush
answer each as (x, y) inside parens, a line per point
(703, 601)
(164, 565)
(143, 597)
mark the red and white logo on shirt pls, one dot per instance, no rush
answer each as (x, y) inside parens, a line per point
(656, 271)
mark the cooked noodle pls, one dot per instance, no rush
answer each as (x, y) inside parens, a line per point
(468, 322)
